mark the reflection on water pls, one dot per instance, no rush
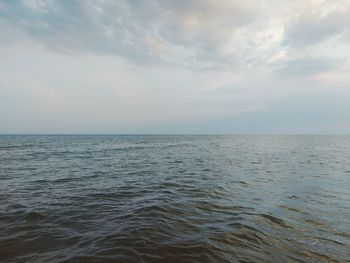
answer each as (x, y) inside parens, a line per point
(174, 198)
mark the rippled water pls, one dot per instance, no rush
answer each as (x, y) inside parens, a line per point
(174, 198)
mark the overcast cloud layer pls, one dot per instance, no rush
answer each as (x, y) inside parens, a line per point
(200, 66)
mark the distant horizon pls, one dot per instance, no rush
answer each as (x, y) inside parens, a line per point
(190, 134)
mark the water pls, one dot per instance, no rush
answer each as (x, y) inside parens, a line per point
(174, 198)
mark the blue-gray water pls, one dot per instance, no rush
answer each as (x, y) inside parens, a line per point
(174, 198)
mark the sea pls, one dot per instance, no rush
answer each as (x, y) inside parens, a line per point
(174, 198)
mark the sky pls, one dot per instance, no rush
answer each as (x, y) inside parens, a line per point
(184, 66)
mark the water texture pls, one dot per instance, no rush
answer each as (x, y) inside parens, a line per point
(106, 198)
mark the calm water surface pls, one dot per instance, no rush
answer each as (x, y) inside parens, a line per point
(174, 198)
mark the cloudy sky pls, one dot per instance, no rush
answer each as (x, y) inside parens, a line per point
(166, 66)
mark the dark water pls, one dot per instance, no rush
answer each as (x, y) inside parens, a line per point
(174, 198)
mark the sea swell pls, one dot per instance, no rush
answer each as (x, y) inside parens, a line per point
(174, 199)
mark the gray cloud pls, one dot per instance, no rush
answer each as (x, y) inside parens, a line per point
(312, 28)
(306, 66)
(189, 33)
(196, 34)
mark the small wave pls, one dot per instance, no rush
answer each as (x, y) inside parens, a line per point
(294, 209)
(331, 240)
(315, 256)
(275, 220)
(34, 216)
(21, 146)
(90, 259)
(293, 197)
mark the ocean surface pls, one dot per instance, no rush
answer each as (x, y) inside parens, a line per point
(160, 198)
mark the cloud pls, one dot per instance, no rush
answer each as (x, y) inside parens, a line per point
(312, 27)
(187, 33)
(125, 27)
(306, 66)
(196, 34)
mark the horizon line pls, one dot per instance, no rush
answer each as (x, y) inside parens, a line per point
(177, 134)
